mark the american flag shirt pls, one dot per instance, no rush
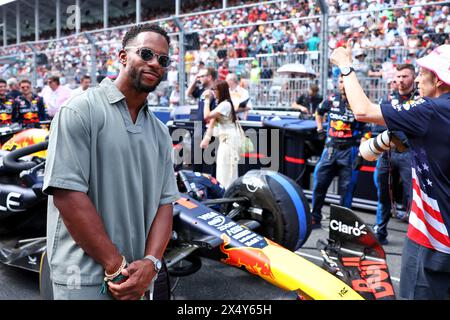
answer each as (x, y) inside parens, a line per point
(426, 123)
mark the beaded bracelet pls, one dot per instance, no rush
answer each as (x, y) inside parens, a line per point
(119, 271)
(115, 277)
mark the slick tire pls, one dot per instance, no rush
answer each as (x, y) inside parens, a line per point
(31, 224)
(282, 209)
(190, 265)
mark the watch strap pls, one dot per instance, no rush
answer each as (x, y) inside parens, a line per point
(350, 70)
(155, 261)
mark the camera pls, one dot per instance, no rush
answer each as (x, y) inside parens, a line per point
(373, 148)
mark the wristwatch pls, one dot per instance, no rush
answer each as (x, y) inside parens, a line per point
(345, 71)
(157, 264)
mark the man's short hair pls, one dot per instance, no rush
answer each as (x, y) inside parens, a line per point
(137, 29)
(24, 81)
(3, 81)
(211, 72)
(404, 66)
(85, 77)
(314, 88)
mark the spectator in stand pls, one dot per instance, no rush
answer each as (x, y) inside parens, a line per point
(375, 69)
(223, 71)
(204, 53)
(388, 68)
(174, 100)
(85, 83)
(290, 46)
(313, 42)
(425, 45)
(255, 72)
(172, 75)
(266, 72)
(55, 95)
(360, 66)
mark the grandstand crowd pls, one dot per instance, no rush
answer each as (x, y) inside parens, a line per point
(383, 37)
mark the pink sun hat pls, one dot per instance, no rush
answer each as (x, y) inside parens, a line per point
(438, 61)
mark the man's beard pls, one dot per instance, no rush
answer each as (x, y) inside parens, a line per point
(137, 83)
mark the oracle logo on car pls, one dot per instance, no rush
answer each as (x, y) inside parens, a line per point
(355, 230)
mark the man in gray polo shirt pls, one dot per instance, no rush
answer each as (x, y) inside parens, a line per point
(111, 182)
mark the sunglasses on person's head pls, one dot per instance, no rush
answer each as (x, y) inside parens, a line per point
(147, 54)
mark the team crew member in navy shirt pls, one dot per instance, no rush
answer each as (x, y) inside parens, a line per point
(6, 105)
(425, 272)
(343, 136)
(30, 108)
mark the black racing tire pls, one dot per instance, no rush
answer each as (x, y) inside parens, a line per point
(194, 263)
(286, 216)
(28, 224)
(45, 283)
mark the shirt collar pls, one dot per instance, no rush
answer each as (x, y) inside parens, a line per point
(114, 95)
(112, 92)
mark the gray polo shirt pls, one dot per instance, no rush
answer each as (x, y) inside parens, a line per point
(125, 168)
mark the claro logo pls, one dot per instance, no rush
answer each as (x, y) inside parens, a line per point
(355, 230)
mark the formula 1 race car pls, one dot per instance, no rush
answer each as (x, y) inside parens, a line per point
(256, 225)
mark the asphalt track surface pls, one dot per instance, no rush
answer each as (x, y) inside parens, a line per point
(216, 281)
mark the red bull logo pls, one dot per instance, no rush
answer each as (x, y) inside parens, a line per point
(5, 117)
(340, 129)
(27, 138)
(374, 277)
(340, 125)
(253, 259)
(31, 117)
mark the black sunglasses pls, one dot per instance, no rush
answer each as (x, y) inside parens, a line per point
(147, 54)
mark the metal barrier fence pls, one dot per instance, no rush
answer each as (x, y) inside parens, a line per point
(273, 61)
(280, 93)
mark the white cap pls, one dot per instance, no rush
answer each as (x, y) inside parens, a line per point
(438, 61)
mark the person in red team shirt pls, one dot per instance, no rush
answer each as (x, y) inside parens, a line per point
(425, 272)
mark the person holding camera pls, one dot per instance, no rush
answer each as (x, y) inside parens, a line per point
(394, 160)
(425, 271)
(343, 136)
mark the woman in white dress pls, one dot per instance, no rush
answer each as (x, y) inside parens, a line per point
(224, 117)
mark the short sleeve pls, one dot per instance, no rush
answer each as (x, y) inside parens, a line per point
(68, 155)
(411, 117)
(169, 192)
(224, 108)
(324, 107)
(300, 100)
